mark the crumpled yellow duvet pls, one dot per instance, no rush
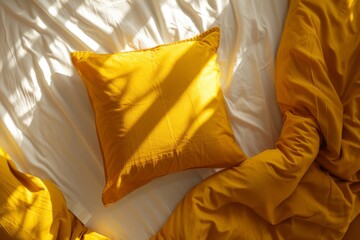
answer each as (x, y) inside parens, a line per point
(31, 208)
(307, 187)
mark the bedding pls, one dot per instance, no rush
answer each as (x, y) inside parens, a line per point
(307, 187)
(32, 208)
(48, 127)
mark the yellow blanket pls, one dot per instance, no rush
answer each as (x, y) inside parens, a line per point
(31, 208)
(307, 187)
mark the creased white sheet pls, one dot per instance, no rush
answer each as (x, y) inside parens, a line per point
(47, 124)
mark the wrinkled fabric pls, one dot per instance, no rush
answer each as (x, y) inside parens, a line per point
(31, 208)
(46, 121)
(307, 187)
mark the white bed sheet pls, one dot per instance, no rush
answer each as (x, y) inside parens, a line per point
(46, 121)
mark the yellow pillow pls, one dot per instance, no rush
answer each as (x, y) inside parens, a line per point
(158, 111)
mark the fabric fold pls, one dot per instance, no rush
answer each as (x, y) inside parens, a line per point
(304, 188)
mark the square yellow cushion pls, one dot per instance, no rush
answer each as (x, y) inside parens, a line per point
(158, 111)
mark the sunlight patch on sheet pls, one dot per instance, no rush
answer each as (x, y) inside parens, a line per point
(94, 19)
(11, 63)
(20, 51)
(10, 125)
(40, 23)
(45, 69)
(94, 46)
(34, 88)
(53, 10)
(17, 52)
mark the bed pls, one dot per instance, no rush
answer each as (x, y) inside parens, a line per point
(56, 121)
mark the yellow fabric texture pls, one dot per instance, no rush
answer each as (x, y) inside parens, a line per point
(307, 187)
(158, 111)
(31, 208)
